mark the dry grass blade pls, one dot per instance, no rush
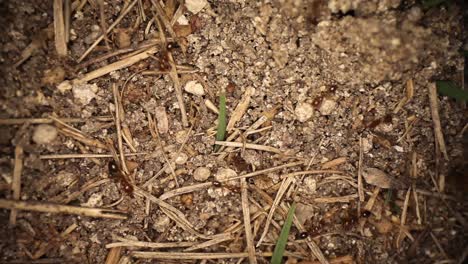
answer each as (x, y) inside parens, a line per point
(204, 255)
(16, 183)
(248, 228)
(59, 29)
(434, 103)
(45, 207)
(248, 146)
(118, 111)
(282, 190)
(341, 199)
(167, 24)
(216, 240)
(116, 66)
(85, 156)
(19, 121)
(123, 242)
(184, 190)
(171, 212)
(113, 256)
(361, 157)
(241, 108)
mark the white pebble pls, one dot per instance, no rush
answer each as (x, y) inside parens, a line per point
(226, 173)
(84, 93)
(201, 174)
(194, 88)
(44, 134)
(181, 158)
(195, 6)
(161, 224)
(327, 107)
(304, 111)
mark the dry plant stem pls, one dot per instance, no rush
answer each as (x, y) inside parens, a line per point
(248, 228)
(16, 183)
(114, 255)
(283, 210)
(434, 102)
(116, 66)
(45, 207)
(155, 134)
(109, 29)
(216, 240)
(171, 212)
(260, 172)
(130, 243)
(279, 195)
(19, 121)
(248, 146)
(119, 128)
(67, 197)
(439, 246)
(184, 190)
(361, 157)
(403, 218)
(85, 156)
(341, 199)
(59, 29)
(241, 108)
(178, 89)
(85, 151)
(186, 255)
(67, 16)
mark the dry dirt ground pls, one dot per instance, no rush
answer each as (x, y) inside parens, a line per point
(328, 106)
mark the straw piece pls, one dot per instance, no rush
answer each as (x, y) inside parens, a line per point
(45, 207)
(434, 103)
(248, 146)
(59, 29)
(241, 108)
(248, 228)
(16, 182)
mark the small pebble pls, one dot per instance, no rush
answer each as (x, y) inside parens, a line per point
(161, 223)
(194, 88)
(327, 107)
(181, 158)
(201, 174)
(226, 173)
(84, 93)
(195, 6)
(44, 134)
(304, 111)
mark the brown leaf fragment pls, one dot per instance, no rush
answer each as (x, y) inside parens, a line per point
(379, 178)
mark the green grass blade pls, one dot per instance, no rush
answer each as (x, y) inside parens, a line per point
(449, 89)
(283, 238)
(221, 131)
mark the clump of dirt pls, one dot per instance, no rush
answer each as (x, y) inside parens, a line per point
(340, 88)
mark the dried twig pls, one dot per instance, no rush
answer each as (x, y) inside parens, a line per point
(205, 255)
(123, 242)
(84, 156)
(45, 207)
(16, 183)
(113, 256)
(241, 108)
(248, 229)
(434, 103)
(184, 190)
(19, 121)
(361, 156)
(279, 195)
(248, 146)
(59, 29)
